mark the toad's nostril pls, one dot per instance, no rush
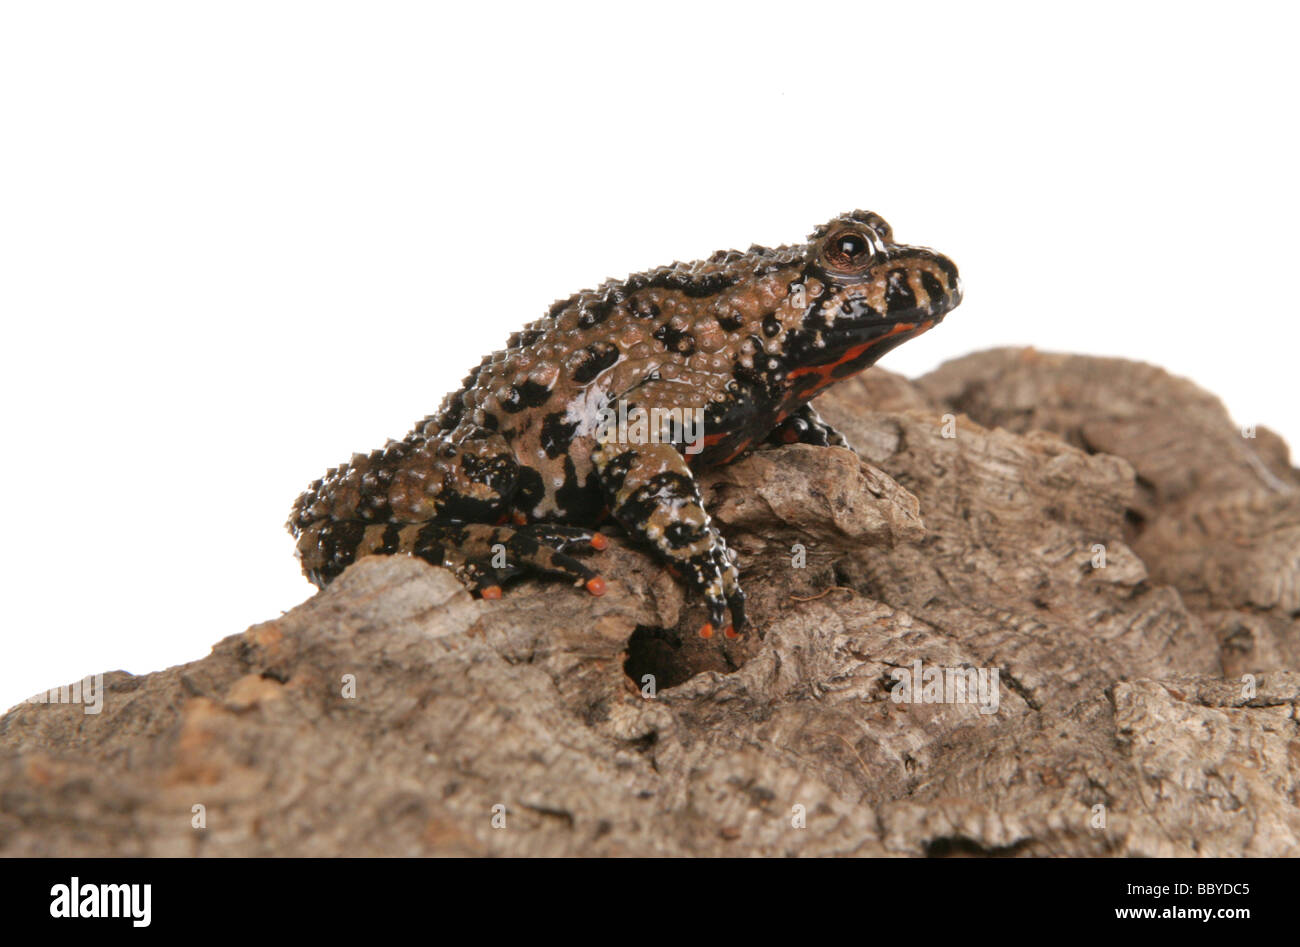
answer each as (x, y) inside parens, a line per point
(949, 270)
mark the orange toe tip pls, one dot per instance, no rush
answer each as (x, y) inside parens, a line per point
(596, 586)
(521, 520)
(492, 591)
(598, 541)
(707, 630)
(730, 631)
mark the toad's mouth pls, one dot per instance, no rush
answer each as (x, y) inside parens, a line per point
(860, 333)
(857, 322)
(857, 350)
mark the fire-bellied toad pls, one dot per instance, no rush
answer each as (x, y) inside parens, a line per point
(517, 469)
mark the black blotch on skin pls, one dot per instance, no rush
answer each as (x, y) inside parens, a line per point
(530, 490)
(598, 357)
(556, 434)
(661, 488)
(428, 543)
(762, 381)
(932, 288)
(699, 567)
(730, 320)
(898, 294)
(812, 322)
(643, 308)
(598, 312)
(389, 544)
(683, 534)
(497, 471)
(469, 509)
(593, 315)
(675, 340)
(615, 472)
(528, 395)
(750, 378)
(739, 402)
(771, 325)
(339, 540)
(580, 503)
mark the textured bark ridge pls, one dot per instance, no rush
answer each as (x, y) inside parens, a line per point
(1095, 531)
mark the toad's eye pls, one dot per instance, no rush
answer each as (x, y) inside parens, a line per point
(849, 250)
(850, 245)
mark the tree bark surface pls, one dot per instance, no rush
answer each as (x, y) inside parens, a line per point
(1095, 531)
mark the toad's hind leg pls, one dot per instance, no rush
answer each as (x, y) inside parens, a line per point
(651, 492)
(484, 557)
(436, 498)
(368, 505)
(481, 555)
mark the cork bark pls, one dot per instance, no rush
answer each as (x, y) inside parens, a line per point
(1095, 531)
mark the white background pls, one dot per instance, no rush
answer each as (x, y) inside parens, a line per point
(239, 241)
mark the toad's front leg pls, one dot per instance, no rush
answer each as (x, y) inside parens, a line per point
(805, 426)
(652, 494)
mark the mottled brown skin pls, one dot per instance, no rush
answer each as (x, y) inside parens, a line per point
(751, 337)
